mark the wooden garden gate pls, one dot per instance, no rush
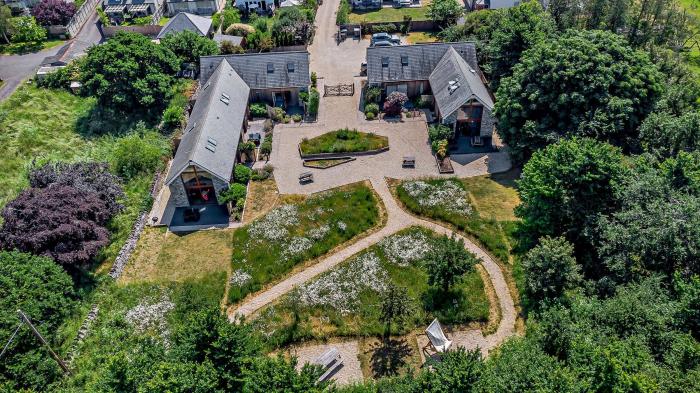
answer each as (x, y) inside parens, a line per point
(339, 90)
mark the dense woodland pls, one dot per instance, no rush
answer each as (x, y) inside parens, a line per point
(596, 105)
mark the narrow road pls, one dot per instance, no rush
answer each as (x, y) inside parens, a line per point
(16, 68)
(397, 220)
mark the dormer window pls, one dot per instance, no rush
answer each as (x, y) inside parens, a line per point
(404, 60)
(385, 62)
(270, 68)
(290, 67)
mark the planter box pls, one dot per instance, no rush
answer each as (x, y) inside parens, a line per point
(320, 156)
(444, 166)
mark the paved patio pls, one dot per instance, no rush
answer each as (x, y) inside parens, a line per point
(408, 138)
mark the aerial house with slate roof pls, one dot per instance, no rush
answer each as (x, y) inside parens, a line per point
(449, 72)
(207, 153)
(275, 78)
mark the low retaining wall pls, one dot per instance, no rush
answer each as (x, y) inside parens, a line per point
(322, 156)
(345, 159)
(149, 30)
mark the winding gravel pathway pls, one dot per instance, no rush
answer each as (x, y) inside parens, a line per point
(397, 220)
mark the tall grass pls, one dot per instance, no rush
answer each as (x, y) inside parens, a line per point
(488, 231)
(288, 321)
(355, 206)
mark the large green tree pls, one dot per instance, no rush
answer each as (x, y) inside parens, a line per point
(665, 135)
(445, 12)
(447, 261)
(518, 29)
(657, 227)
(189, 46)
(40, 288)
(550, 269)
(565, 186)
(130, 73)
(588, 83)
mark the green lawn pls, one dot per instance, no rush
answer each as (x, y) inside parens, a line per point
(419, 37)
(346, 300)
(343, 141)
(489, 218)
(15, 49)
(389, 15)
(272, 245)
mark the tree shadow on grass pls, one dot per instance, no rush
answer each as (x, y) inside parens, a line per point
(389, 357)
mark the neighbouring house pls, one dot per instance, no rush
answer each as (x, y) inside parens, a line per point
(186, 21)
(275, 78)
(207, 152)
(236, 40)
(17, 6)
(258, 6)
(446, 73)
(119, 10)
(366, 4)
(289, 3)
(496, 4)
(200, 7)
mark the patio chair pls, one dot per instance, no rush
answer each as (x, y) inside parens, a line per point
(329, 362)
(437, 337)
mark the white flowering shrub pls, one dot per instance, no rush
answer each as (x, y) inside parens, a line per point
(296, 245)
(407, 248)
(240, 277)
(273, 226)
(341, 288)
(150, 314)
(448, 194)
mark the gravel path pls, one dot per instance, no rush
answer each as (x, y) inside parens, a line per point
(397, 220)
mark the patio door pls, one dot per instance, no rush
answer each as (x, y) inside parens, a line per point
(199, 188)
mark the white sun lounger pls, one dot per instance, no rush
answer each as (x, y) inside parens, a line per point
(329, 362)
(437, 336)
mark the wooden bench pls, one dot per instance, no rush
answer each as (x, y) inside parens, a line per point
(306, 177)
(329, 362)
(409, 162)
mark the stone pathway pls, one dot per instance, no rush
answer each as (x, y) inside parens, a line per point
(397, 219)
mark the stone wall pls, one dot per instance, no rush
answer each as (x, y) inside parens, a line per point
(488, 123)
(178, 194)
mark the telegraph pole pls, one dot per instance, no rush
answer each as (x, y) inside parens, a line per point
(38, 335)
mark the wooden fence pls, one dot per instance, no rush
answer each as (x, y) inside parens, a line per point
(339, 90)
(81, 16)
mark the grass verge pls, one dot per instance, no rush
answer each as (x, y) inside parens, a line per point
(345, 301)
(343, 141)
(271, 246)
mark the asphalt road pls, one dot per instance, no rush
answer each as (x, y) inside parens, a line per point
(16, 68)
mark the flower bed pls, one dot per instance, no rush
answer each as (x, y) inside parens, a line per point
(343, 141)
(271, 246)
(345, 301)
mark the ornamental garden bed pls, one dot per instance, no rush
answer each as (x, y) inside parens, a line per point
(327, 163)
(343, 141)
(345, 301)
(270, 247)
(444, 165)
